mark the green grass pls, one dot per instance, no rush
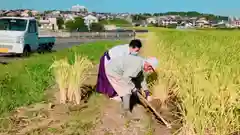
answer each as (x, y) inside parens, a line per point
(117, 22)
(205, 66)
(24, 82)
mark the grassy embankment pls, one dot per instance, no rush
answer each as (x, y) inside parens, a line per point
(202, 69)
(24, 82)
(117, 22)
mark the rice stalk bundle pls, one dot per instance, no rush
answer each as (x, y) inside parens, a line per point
(77, 75)
(61, 72)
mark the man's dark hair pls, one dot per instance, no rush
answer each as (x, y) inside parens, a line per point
(135, 43)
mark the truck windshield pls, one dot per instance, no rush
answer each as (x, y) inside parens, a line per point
(13, 24)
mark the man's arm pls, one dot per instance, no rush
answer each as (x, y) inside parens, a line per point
(130, 73)
(144, 83)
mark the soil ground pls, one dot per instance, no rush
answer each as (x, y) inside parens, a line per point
(97, 116)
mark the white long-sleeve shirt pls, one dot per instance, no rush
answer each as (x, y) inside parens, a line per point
(116, 51)
(119, 50)
(124, 69)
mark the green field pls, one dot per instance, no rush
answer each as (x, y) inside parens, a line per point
(117, 22)
(204, 67)
(23, 82)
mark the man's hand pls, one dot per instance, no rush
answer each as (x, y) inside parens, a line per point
(134, 90)
(147, 93)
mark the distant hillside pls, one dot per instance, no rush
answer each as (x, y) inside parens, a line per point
(191, 14)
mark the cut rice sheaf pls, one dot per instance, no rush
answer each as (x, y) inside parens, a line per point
(70, 78)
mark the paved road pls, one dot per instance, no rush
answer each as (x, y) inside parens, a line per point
(61, 43)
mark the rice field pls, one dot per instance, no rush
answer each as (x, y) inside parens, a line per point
(201, 69)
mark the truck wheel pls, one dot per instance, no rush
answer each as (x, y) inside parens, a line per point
(49, 47)
(26, 51)
(40, 49)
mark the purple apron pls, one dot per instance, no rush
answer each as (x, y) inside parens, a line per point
(103, 85)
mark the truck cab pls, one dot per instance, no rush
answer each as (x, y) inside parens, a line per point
(19, 35)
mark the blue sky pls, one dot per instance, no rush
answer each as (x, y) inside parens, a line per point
(221, 7)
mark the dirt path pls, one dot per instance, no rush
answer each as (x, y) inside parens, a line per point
(112, 122)
(141, 124)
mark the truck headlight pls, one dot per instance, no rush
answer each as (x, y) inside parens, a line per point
(20, 40)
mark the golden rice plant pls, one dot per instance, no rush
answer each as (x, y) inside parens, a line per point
(203, 68)
(161, 85)
(77, 75)
(141, 35)
(61, 73)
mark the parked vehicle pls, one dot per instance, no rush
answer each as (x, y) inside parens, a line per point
(20, 36)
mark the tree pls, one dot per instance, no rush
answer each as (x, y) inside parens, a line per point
(60, 23)
(48, 11)
(76, 25)
(139, 17)
(30, 13)
(194, 14)
(96, 27)
(38, 23)
(70, 25)
(37, 17)
(147, 14)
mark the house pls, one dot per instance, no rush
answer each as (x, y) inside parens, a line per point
(13, 13)
(50, 15)
(88, 20)
(234, 22)
(220, 24)
(25, 13)
(44, 24)
(193, 20)
(1, 13)
(166, 20)
(34, 12)
(122, 16)
(202, 22)
(185, 25)
(102, 17)
(68, 17)
(151, 20)
(49, 23)
(184, 20)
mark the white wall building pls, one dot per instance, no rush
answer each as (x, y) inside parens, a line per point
(90, 19)
(50, 23)
(78, 8)
(69, 17)
(151, 20)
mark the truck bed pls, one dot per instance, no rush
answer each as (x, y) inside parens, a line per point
(46, 39)
(45, 36)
